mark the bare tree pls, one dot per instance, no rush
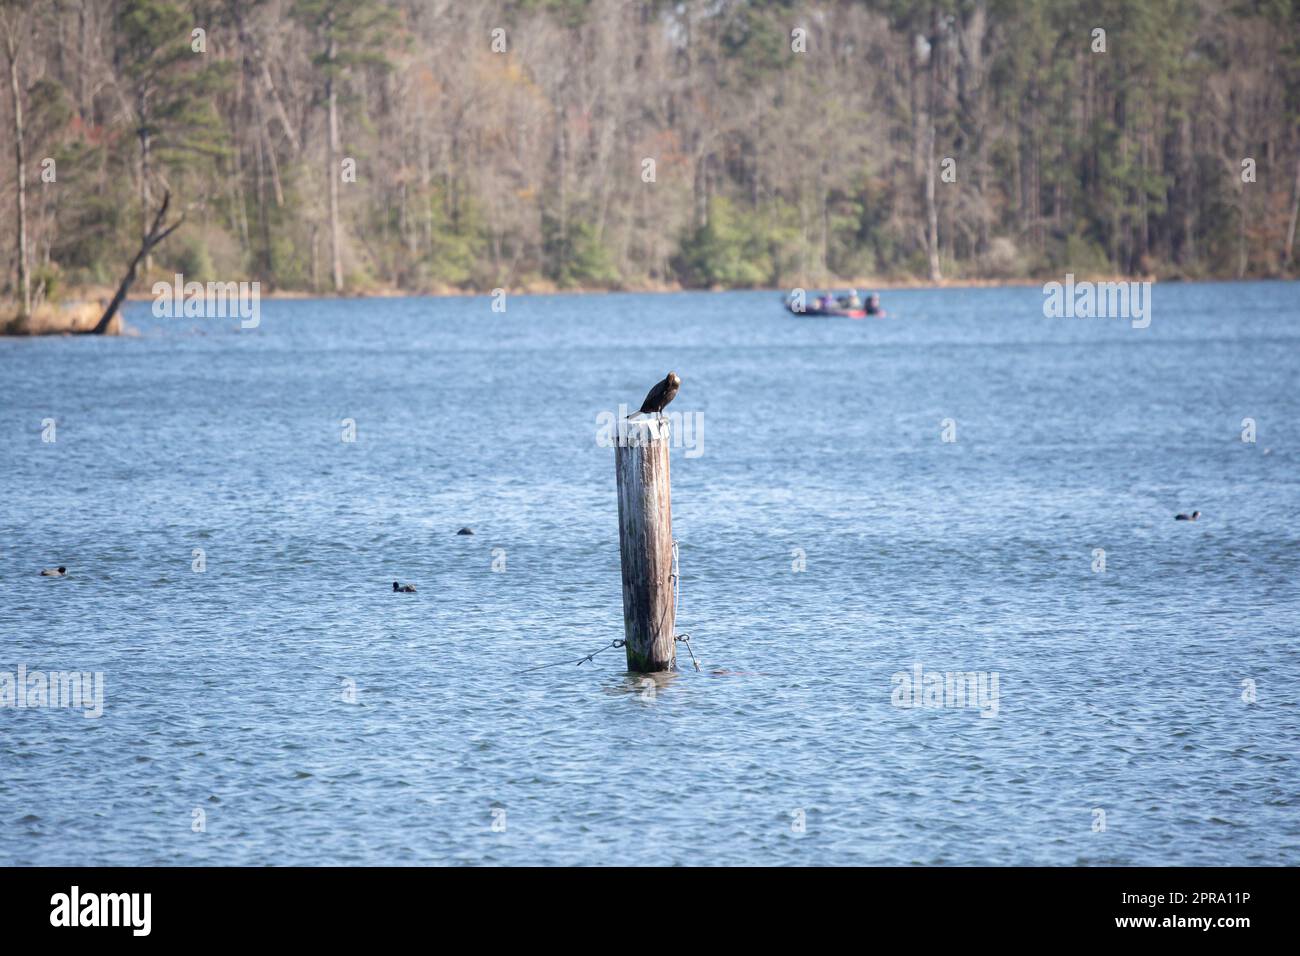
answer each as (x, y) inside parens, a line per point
(154, 234)
(14, 21)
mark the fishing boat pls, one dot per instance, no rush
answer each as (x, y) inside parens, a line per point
(831, 313)
(835, 307)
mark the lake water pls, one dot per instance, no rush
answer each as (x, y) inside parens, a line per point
(1120, 692)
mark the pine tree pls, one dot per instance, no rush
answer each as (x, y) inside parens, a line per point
(169, 89)
(349, 33)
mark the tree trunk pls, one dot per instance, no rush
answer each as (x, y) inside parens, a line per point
(252, 61)
(84, 96)
(562, 145)
(1288, 248)
(331, 97)
(972, 39)
(15, 90)
(153, 235)
(1241, 233)
(146, 198)
(931, 209)
(826, 231)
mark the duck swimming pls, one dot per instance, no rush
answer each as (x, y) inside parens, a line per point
(465, 531)
(1191, 517)
(404, 588)
(58, 572)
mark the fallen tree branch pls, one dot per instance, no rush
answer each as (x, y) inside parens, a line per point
(153, 237)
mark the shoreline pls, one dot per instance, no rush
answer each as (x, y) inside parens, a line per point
(547, 289)
(73, 308)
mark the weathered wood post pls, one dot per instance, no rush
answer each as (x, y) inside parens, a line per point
(645, 543)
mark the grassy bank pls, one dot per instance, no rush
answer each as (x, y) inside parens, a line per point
(69, 317)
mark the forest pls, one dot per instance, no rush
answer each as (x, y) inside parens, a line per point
(370, 146)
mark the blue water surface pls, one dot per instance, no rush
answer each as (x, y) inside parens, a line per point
(1125, 730)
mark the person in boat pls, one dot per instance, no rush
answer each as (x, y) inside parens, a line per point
(853, 301)
(873, 305)
(825, 301)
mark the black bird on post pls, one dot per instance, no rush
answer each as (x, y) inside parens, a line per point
(661, 395)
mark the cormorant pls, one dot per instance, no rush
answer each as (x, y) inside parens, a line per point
(1191, 517)
(661, 395)
(404, 588)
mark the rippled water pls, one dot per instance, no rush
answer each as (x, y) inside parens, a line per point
(1118, 691)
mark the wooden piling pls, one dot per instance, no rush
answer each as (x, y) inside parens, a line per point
(645, 541)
